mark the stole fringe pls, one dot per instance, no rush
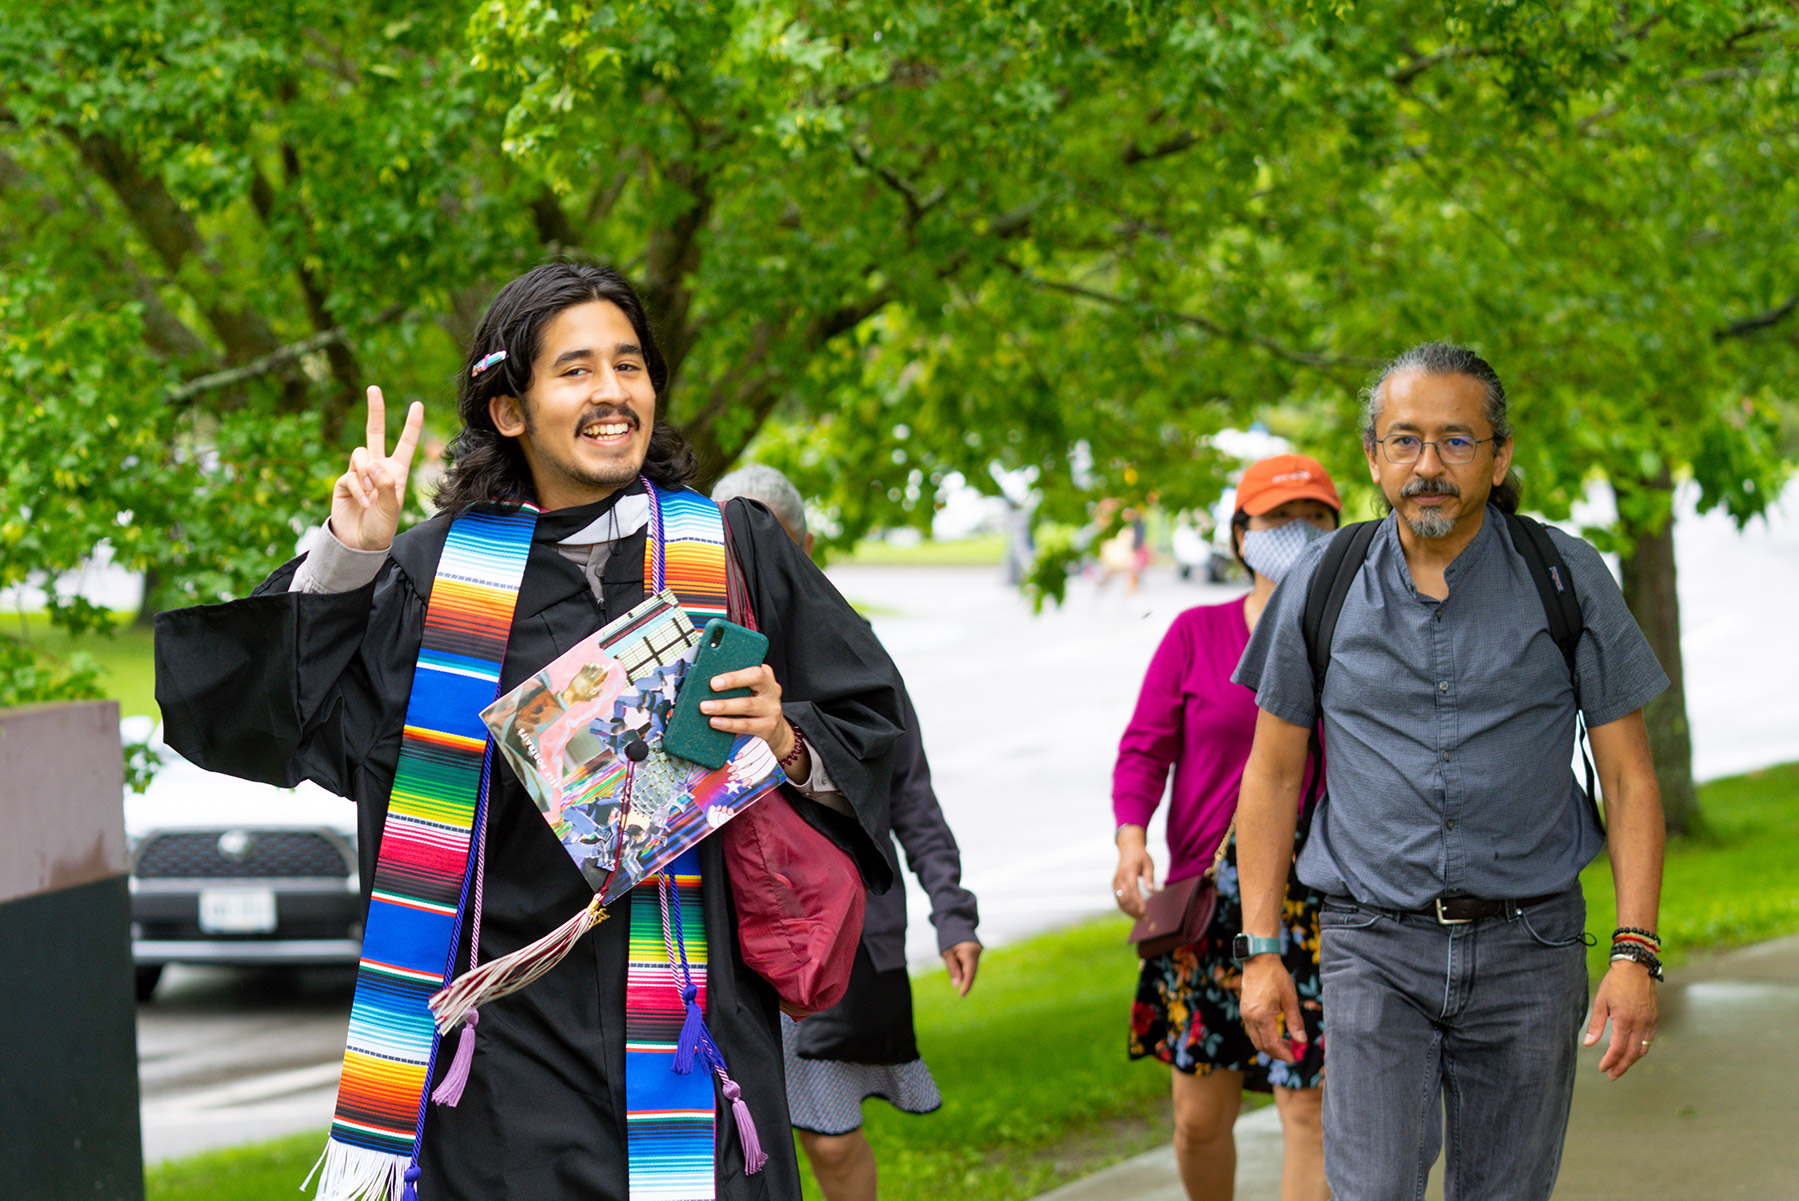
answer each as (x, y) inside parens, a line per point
(349, 1173)
(509, 973)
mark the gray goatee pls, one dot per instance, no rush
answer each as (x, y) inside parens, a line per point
(1430, 523)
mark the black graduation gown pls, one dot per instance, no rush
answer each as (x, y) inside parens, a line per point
(283, 686)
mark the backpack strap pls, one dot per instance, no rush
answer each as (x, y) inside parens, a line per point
(1325, 594)
(1555, 588)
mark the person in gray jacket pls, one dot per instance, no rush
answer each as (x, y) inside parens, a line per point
(865, 1045)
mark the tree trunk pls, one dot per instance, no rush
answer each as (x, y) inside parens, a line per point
(1649, 589)
(150, 606)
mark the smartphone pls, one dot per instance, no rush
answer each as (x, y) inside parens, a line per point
(724, 647)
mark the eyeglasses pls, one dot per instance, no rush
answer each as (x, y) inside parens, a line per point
(1409, 448)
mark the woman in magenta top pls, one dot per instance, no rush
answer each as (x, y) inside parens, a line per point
(1191, 717)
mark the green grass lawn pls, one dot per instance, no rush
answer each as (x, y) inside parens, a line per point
(1737, 884)
(982, 550)
(125, 659)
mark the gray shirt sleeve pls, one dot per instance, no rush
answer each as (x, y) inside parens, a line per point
(330, 566)
(1275, 664)
(1617, 669)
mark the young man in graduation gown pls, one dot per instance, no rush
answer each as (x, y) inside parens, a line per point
(309, 678)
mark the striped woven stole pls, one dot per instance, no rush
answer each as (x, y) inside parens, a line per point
(421, 872)
(669, 1116)
(669, 1122)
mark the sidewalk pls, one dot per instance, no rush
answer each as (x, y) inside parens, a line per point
(1708, 1116)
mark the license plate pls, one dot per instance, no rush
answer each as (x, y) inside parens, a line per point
(237, 911)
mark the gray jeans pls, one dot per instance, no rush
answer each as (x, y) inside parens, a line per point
(1466, 1029)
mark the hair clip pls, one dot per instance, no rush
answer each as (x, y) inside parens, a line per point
(498, 356)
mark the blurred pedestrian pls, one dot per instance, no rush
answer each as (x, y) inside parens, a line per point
(865, 1046)
(1191, 717)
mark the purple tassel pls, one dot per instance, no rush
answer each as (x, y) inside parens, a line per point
(449, 1089)
(753, 1156)
(693, 1029)
(410, 1192)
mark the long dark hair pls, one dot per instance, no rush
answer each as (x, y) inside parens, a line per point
(486, 464)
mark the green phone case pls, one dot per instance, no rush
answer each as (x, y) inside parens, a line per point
(724, 647)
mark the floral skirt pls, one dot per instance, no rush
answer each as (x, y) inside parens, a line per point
(1186, 1012)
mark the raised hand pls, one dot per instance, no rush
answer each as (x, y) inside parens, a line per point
(365, 502)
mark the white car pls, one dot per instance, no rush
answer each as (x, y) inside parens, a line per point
(227, 871)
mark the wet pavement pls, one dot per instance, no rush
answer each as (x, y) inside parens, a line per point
(1711, 1114)
(232, 1055)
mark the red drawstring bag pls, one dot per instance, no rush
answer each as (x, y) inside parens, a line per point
(800, 900)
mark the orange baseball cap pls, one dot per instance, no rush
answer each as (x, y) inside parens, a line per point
(1273, 482)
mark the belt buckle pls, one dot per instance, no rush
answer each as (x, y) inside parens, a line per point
(1448, 921)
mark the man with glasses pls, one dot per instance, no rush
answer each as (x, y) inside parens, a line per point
(1450, 849)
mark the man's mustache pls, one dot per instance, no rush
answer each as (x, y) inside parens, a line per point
(1430, 487)
(608, 413)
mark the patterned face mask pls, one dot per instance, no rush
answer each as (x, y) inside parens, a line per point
(1272, 552)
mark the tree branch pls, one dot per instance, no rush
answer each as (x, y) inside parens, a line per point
(172, 235)
(916, 206)
(554, 229)
(1760, 321)
(1402, 77)
(671, 256)
(274, 361)
(346, 372)
(1303, 358)
(1134, 154)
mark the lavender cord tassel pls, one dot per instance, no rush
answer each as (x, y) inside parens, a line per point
(753, 1155)
(449, 1090)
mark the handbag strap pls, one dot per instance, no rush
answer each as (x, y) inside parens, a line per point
(1223, 845)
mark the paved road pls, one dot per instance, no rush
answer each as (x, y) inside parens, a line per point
(234, 1056)
(1021, 717)
(1707, 1116)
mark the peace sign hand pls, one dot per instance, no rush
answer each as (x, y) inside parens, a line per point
(365, 502)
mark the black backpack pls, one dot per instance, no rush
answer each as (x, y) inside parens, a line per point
(1324, 603)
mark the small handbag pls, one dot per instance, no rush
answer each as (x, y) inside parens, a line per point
(800, 899)
(1179, 915)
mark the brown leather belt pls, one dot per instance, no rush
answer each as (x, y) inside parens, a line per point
(1455, 911)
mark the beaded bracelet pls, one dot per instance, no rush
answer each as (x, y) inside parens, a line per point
(1637, 953)
(1651, 935)
(799, 746)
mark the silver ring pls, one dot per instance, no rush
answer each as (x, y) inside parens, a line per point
(1645, 1042)
(1118, 892)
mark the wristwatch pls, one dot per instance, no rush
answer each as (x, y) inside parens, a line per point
(1244, 948)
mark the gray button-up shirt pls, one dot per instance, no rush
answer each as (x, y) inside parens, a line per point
(1449, 726)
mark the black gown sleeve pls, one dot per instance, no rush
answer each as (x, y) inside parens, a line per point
(283, 686)
(837, 682)
(924, 834)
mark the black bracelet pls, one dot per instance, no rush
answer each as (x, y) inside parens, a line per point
(1638, 953)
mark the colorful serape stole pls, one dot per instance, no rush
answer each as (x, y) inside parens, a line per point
(669, 1105)
(422, 871)
(668, 1117)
